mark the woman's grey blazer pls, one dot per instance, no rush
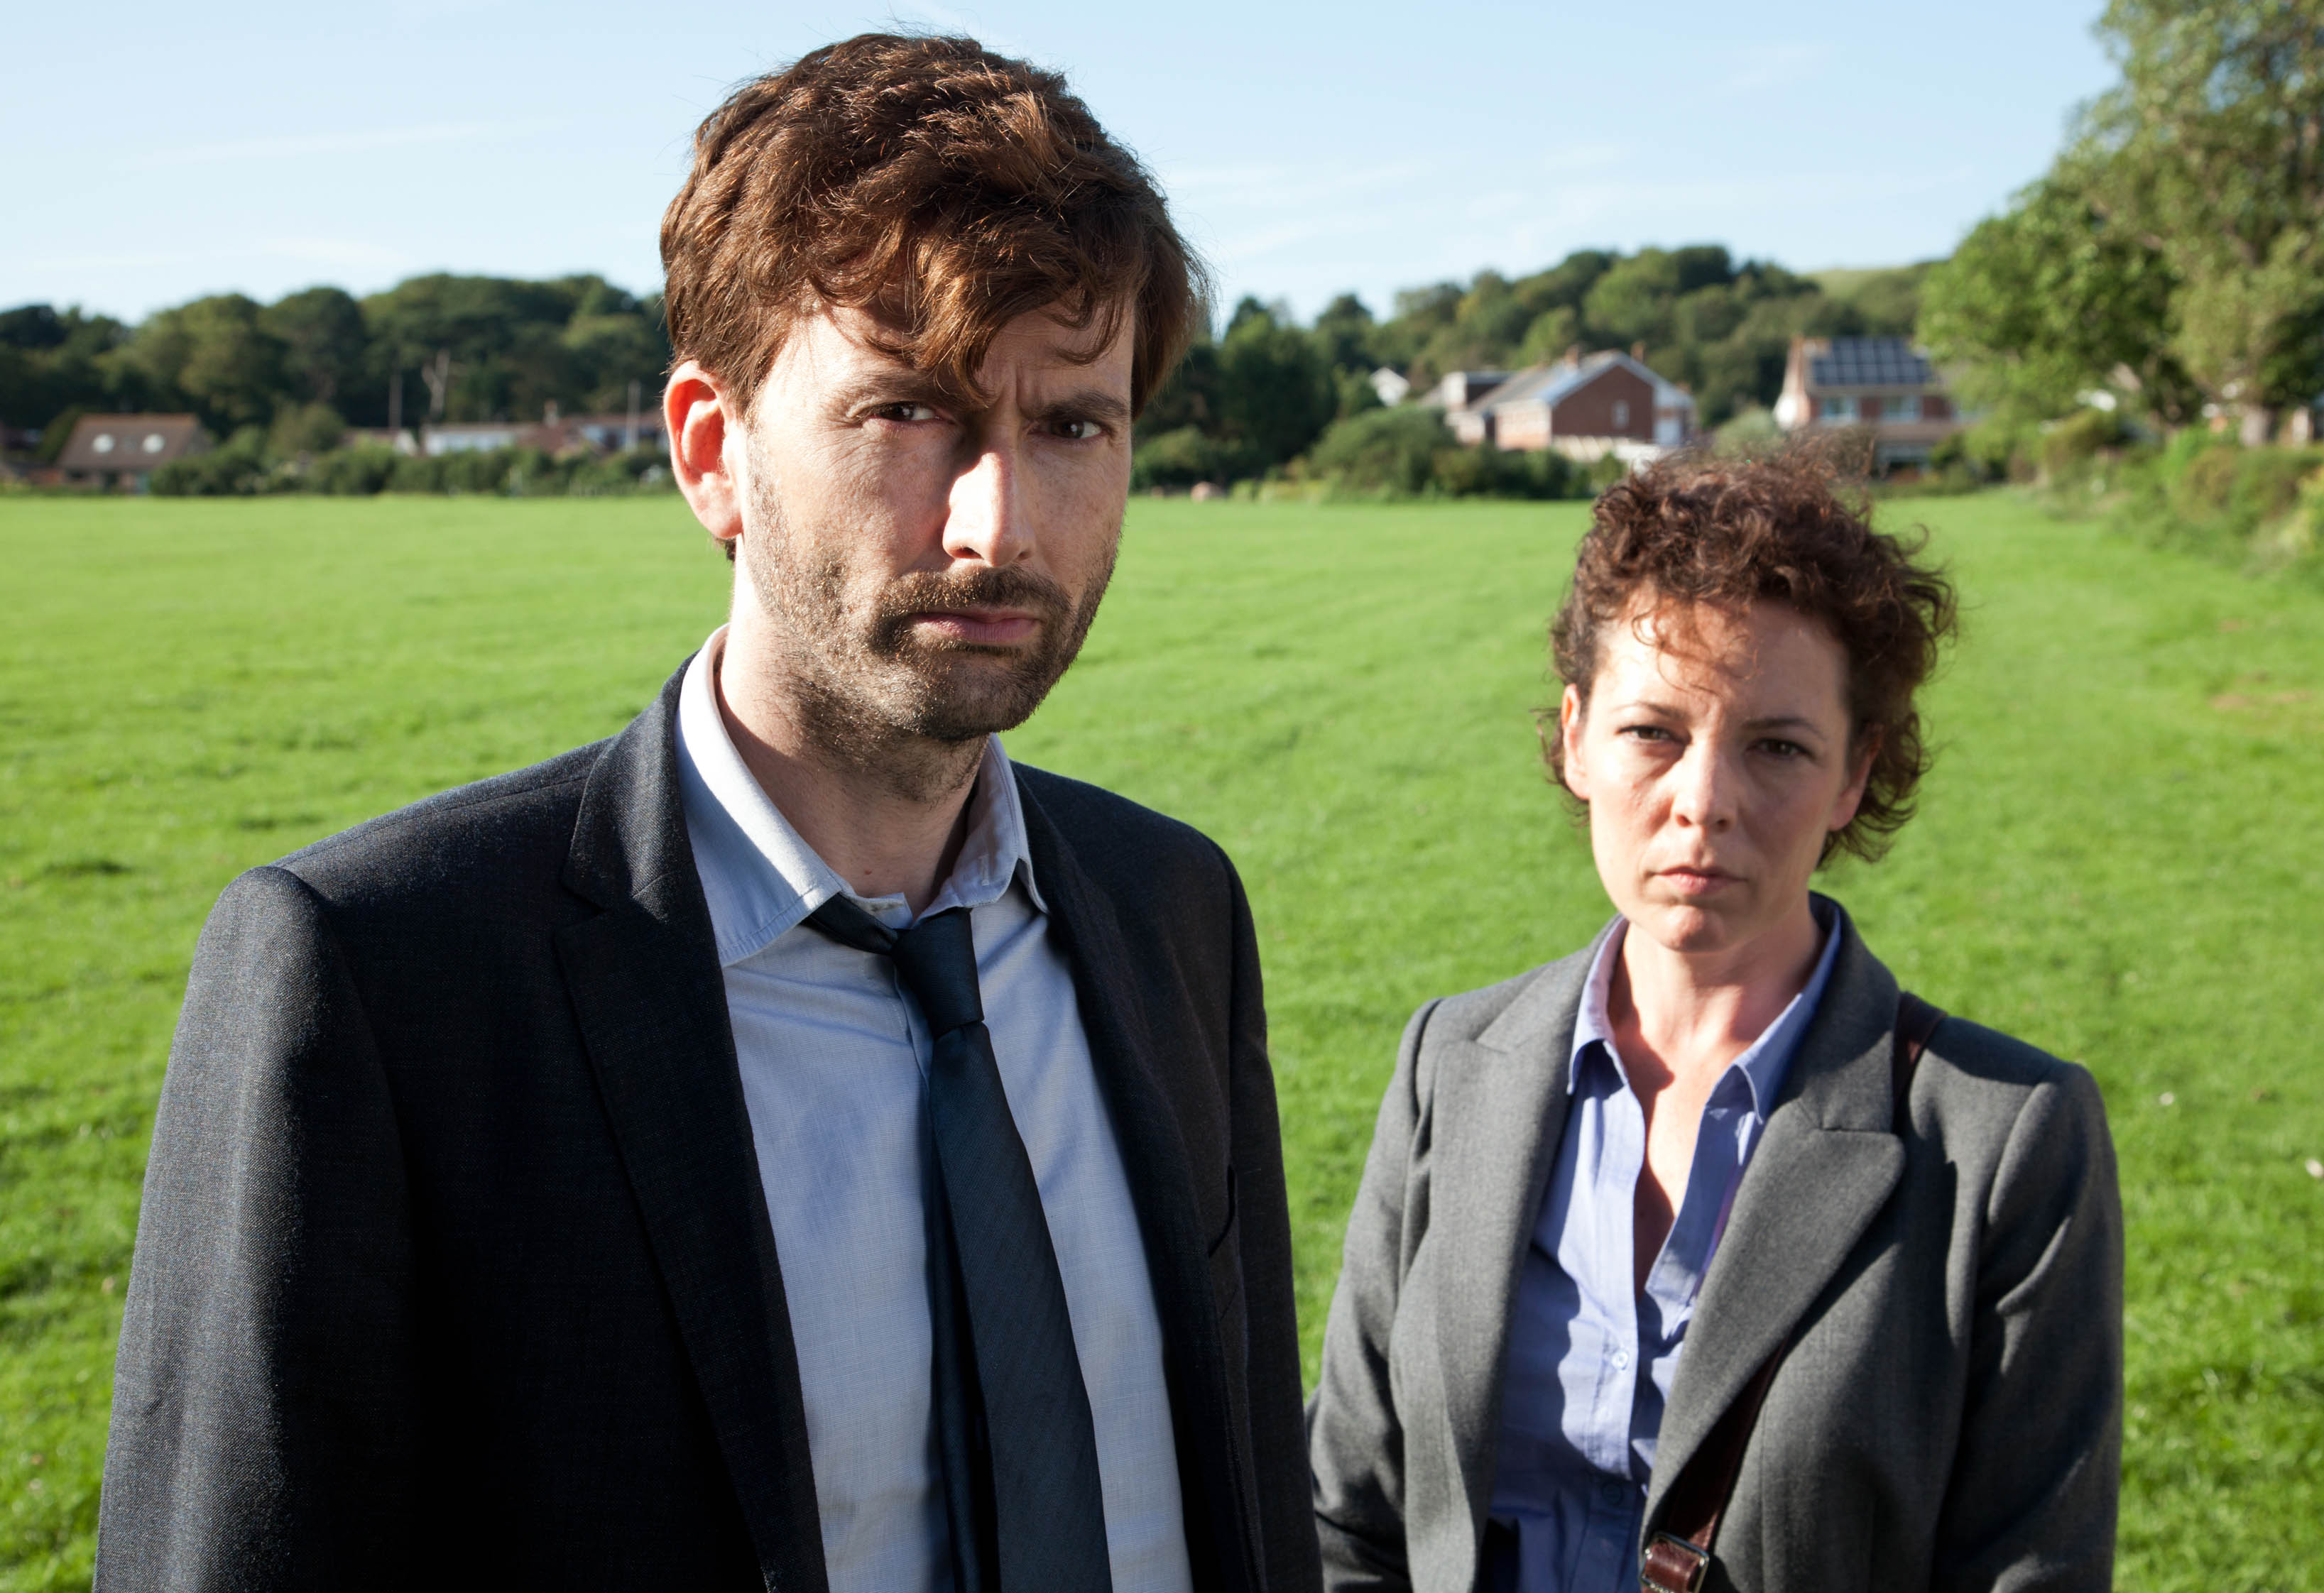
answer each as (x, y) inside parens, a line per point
(1950, 1416)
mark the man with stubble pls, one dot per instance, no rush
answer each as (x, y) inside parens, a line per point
(787, 1145)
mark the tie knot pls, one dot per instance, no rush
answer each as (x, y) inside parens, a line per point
(937, 958)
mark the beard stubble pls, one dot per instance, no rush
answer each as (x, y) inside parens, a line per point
(876, 697)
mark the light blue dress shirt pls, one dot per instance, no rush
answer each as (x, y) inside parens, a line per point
(1592, 1360)
(834, 1054)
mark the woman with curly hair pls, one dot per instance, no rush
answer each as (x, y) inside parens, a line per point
(1706, 1257)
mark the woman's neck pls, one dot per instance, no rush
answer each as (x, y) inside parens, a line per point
(1694, 1012)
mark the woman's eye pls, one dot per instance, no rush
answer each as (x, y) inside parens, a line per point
(1784, 748)
(1645, 733)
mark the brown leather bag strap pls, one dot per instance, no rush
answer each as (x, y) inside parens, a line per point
(1678, 1557)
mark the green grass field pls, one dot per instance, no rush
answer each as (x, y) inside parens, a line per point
(2117, 859)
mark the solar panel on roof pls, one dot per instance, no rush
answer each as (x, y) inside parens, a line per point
(1869, 361)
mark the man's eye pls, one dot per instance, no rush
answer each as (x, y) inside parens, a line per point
(1078, 430)
(907, 411)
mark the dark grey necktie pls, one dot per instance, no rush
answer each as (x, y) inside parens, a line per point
(1012, 1414)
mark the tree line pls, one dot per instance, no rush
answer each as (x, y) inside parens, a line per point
(1265, 391)
(302, 369)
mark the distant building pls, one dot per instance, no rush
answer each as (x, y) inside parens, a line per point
(125, 450)
(1882, 382)
(610, 433)
(1391, 386)
(1585, 406)
(1459, 388)
(553, 433)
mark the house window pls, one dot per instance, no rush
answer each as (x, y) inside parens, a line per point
(1837, 406)
(1901, 407)
(1622, 414)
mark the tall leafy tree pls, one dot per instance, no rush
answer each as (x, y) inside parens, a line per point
(322, 331)
(2211, 150)
(214, 356)
(2051, 300)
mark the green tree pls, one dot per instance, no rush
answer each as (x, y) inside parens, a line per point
(1275, 395)
(2211, 150)
(213, 356)
(322, 331)
(2049, 300)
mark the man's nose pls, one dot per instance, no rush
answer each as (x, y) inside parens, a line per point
(984, 519)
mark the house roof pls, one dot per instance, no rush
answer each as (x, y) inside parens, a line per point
(1870, 361)
(129, 442)
(1551, 385)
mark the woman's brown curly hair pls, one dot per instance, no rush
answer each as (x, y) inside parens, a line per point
(1689, 531)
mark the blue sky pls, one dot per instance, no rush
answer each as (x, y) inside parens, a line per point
(160, 152)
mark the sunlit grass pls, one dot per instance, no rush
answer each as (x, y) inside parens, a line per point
(2116, 859)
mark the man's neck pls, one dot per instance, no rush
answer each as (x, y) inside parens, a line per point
(891, 821)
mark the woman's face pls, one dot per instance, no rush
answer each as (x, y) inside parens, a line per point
(1714, 756)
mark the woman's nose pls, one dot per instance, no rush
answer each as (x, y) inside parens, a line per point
(1702, 794)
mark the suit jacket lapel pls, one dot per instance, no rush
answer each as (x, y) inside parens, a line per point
(645, 984)
(1826, 1166)
(1161, 1181)
(1500, 1108)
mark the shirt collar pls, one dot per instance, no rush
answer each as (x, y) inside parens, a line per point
(759, 877)
(1762, 1063)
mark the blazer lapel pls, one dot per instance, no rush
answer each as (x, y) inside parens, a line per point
(645, 984)
(1500, 1109)
(1826, 1166)
(1161, 1182)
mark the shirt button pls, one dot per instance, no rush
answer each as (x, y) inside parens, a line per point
(1613, 1493)
(1621, 1360)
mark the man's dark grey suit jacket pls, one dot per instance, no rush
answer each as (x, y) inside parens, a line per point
(453, 1267)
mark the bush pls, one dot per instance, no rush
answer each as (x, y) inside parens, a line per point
(353, 472)
(2069, 447)
(1491, 473)
(2210, 494)
(1382, 450)
(1179, 458)
(238, 469)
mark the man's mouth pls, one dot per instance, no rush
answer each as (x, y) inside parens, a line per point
(978, 626)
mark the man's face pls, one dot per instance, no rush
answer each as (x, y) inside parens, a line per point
(922, 566)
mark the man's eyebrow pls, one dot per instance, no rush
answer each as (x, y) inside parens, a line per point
(1095, 403)
(894, 384)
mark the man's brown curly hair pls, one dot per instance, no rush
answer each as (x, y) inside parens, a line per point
(1687, 531)
(945, 190)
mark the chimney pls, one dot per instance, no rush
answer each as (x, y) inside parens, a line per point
(549, 413)
(1572, 355)
(1638, 351)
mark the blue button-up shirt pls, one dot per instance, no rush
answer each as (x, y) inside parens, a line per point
(1591, 1359)
(833, 1054)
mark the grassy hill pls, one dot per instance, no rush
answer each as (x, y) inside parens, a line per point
(2116, 859)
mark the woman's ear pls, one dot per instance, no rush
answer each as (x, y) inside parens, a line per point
(1570, 724)
(1859, 775)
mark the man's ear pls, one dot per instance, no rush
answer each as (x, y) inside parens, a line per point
(699, 414)
(1568, 736)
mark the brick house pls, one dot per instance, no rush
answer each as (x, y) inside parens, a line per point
(1585, 406)
(125, 450)
(1882, 382)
